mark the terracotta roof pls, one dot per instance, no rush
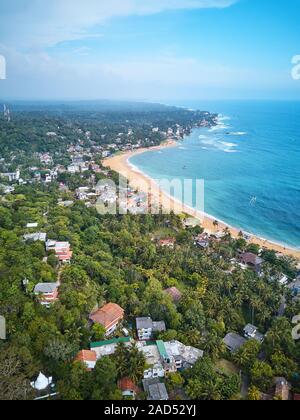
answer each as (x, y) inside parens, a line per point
(126, 384)
(174, 293)
(167, 242)
(108, 315)
(86, 356)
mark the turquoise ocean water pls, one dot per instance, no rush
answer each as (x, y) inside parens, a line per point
(250, 164)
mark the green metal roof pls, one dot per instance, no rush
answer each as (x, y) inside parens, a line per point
(162, 349)
(108, 342)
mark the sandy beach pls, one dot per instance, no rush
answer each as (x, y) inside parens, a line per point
(137, 180)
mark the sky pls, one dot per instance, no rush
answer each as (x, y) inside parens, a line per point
(162, 50)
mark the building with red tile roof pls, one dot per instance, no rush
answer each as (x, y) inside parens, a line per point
(109, 316)
(128, 388)
(88, 357)
(174, 293)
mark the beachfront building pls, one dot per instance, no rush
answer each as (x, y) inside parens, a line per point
(109, 316)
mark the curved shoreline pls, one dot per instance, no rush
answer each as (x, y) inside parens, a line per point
(137, 179)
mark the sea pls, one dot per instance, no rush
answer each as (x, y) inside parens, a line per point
(250, 164)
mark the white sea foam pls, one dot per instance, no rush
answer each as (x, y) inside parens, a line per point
(214, 144)
(238, 133)
(230, 151)
(223, 118)
(219, 127)
(229, 144)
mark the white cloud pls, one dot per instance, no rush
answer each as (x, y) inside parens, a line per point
(44, 24)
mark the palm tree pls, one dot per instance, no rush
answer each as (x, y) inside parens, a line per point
(216, 224)
(137, 363)
(122, 359)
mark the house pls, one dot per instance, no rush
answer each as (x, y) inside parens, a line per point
(283, 280)
(202, 240)
(47, 292)
(282, 389)
(252, 261)
(164, 358)
(4, 189)
(82, 192)
(88, 357)
(234, 342)
(251, 332)
(146, 327)
(109, 316)
(31, 225)
(73, 169)
(46, 159)
(128, 388)
(167, 243)
(35, 237)
(155, 390)
(63, 252)
(12, 176)
(174, 294)
(295, 286)
(108, 347)
(185, 356)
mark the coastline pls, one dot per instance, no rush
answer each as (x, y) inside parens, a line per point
(138, 180)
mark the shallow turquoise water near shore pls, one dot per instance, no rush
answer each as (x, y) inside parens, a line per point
(250, 164)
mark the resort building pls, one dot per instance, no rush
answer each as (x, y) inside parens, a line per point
(109, 316)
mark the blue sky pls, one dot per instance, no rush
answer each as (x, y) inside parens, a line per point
(149, 49)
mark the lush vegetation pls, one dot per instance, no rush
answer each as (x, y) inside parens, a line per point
(116, 259)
